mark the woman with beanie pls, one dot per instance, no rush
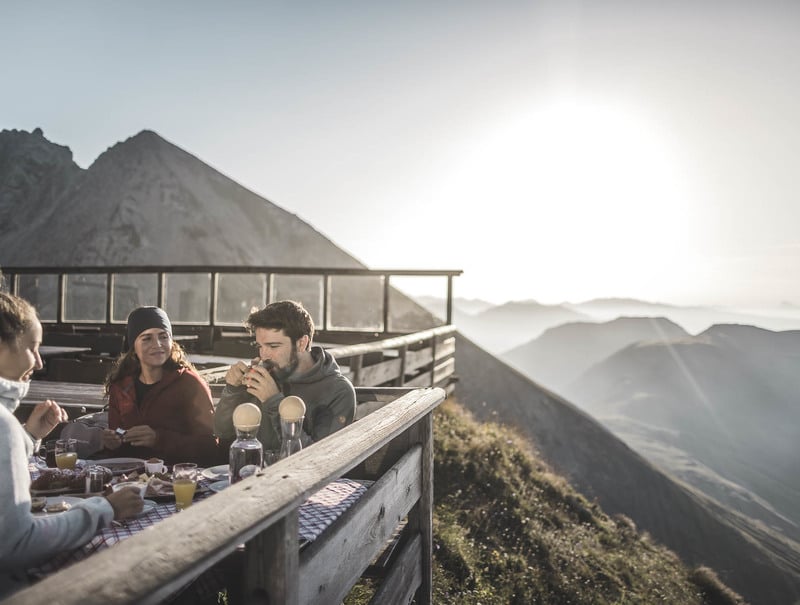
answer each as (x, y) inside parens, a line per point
(157, 397)
(28, 541)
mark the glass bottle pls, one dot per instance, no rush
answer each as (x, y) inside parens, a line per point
(292, 411)
(246, 454)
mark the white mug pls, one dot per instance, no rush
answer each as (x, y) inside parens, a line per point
(156, 466)
(140, 485)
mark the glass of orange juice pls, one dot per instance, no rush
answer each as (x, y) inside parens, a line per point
(66, 453)
(184, 484)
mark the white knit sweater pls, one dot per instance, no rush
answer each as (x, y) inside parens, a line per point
(26, 540)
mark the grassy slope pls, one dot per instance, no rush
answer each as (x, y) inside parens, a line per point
(507, 530)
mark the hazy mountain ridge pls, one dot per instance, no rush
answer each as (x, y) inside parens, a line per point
(725, 398)
(566, 351)
(515, 323)
(759, 564)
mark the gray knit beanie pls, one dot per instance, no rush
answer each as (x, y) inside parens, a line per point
(144, 318)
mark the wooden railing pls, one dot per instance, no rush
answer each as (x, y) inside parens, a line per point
(210, 298)
(393, 445)
(420, 359)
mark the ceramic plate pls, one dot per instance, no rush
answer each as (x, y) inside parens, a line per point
(148, 506)
(215, 473)
(218, 486)
(119, 466)
(51, 492)
(53, 500)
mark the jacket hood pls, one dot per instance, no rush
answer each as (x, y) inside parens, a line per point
(324, 365)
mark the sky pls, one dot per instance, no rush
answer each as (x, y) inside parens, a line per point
(553, 150)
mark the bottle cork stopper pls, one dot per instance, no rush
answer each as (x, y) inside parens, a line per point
(246, 416)
(292, 408)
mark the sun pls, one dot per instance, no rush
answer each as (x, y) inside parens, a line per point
(585, 198)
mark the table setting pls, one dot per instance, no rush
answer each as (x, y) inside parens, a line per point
(318, 512)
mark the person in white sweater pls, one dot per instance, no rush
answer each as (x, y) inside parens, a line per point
(28, 540)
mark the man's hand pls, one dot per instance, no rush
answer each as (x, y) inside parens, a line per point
(260, 383)
(236, 373)
(44, 418)
(141, 435)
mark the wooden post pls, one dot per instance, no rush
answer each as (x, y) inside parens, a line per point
(420, 519)
(355, 369)
(271, 565)
(401, 380)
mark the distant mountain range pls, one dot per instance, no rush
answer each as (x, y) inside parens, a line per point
(146, 201)
(561, 353)
(719, 410)
(500, 328)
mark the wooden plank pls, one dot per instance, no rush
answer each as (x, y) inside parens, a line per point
(46, 351)
(446, 348)
(360, 534)
(422, 380)
(404, 576)
(68, 394)
(421, 518)
(380, 373)
(190, 542)
(271, 564)
(418, 359)
(444, 369)
(390, 343)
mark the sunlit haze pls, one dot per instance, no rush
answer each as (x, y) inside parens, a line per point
(554, 151)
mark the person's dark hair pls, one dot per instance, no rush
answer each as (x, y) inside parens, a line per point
(287, 315)
(127, 364)
(16, 317)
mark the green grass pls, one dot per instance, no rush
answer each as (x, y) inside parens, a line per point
(507, 530)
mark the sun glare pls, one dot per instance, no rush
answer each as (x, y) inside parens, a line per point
(586, 199)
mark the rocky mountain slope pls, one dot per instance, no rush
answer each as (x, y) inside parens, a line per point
(757, 563)
(144, 201)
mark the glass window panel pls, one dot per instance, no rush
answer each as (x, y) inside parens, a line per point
(187, 297)
(85, 297)
(406, 313)
(132, 290)
(306, 289)
(356, 302)
(239, 294)
(42, 292)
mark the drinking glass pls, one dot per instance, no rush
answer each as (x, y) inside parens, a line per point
(66, 453)
(49, 453)
(184, 484)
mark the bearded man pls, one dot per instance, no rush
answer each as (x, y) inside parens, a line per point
(287, 364)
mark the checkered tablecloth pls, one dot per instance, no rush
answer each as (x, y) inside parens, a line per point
(314, 516)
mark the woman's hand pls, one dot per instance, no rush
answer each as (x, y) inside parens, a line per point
(44, 418)
(111, 440)
(261, 383)
(141, 436)
(126, 502)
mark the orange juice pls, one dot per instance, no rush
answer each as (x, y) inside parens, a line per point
(66, 459)
(184, 492)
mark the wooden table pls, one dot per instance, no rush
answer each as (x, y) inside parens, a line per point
(67, 395)
(46, 351)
